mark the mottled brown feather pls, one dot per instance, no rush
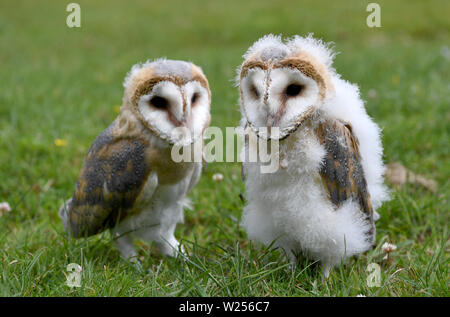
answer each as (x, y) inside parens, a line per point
(114, 173)
(342, 173)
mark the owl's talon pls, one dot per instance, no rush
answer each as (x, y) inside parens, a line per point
(137, 264)
(326, 271)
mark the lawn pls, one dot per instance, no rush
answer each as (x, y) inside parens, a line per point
(60, 87)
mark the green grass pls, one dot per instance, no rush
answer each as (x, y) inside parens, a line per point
(57, 82)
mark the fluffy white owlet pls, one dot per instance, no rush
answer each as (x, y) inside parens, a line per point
(321, 201)
(129, 182)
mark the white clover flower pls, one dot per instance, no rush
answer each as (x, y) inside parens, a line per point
(388, 248)
(4, 207)
(218, 177)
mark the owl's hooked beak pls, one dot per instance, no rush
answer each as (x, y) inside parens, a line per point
(272, 120)
(180, 122)
(186, 114)
(180, 116)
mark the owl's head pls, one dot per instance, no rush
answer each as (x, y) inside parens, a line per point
(169, 97)
(283, 83)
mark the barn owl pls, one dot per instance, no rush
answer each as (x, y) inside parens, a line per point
(129, 183)
(321, 202)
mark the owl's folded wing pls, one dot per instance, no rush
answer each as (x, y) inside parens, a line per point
(114, 173)
(342, 173)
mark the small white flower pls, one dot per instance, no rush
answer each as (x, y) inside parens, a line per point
(388, 248)
(218, 177)
(4, 207)
(360, 295)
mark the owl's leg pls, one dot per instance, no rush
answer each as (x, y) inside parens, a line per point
(167, 244)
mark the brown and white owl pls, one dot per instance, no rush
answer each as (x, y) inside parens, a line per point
(129, 182)
(321, 201)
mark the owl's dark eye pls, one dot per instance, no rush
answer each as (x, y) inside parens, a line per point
(159, 102)
(254, 91)
(293, 90)
(194, 98)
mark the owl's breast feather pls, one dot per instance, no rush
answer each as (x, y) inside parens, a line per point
(168, 171)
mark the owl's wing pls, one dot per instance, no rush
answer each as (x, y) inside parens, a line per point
(342, 173)
(114, 173)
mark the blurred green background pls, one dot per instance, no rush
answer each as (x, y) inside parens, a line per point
(64, 84)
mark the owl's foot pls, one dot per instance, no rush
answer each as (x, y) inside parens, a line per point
(126, 248)
(326, 269)
(127, 251)
(138, 265)
(170, 247)
(292, 260)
